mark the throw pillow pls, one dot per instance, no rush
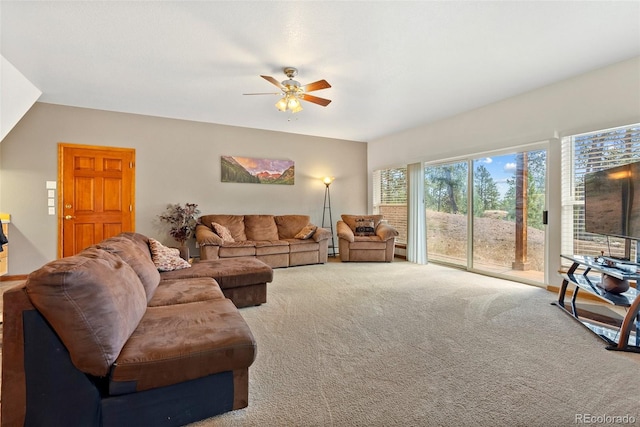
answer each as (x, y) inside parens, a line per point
(350, 220)
(365, 227)
(222, 231)
(166, 259)
(306, 232)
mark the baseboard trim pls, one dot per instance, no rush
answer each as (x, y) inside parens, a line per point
(13, 278)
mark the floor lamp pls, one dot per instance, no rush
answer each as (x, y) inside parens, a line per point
(327, 206)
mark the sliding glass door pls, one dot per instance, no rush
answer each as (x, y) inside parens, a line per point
(446, 196)
(486, 214)
(508, 206)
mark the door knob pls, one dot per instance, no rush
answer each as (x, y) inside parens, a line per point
(69, 217)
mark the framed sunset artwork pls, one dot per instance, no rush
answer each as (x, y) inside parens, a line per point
(257, 171)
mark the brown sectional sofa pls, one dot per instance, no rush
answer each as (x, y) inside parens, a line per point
(103, 339)
(269, 238)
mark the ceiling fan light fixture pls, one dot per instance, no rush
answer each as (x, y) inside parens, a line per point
(293, 92)
(289, 102)
(282, 104)
(293, 104)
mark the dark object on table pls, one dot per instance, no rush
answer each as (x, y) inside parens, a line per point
(613, 284)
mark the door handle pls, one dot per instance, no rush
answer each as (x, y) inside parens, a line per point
(69, 217)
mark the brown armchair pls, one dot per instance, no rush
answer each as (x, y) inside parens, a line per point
(365, 238)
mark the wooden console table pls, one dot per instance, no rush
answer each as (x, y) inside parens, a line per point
(626, 337)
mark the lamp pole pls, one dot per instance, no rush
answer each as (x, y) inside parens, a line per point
(327, 206)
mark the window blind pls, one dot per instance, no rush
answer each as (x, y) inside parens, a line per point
(392, 186)
(582, 154)
(390, 198)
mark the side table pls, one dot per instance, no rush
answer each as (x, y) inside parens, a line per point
(627, 336)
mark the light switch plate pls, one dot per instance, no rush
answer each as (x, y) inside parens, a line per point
(51, 193)
(51, 202)
(52, 211)
(51, 185)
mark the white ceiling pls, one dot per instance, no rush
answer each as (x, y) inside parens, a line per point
(393, 65)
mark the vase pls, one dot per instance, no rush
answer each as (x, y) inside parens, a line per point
(184, 252)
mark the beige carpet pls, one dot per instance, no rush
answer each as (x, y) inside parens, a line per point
(407, 345)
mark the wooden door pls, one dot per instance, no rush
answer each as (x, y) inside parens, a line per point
(96, 196)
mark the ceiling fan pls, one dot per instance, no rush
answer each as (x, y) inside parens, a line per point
(292, 92)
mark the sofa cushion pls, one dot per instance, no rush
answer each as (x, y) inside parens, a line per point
(166, 259)
(182, 291)
(290, 225)
(350, 220)
(222, 231)
(137, 258)
(260, 227)
(182, 342)
(272, 247)
(94, 301)
(229, 273)
(298, 245)
(139, 239)
(368, 243)
(306, 232)
(234, 249)
(235, 224)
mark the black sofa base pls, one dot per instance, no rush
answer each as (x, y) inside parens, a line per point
(59, 394)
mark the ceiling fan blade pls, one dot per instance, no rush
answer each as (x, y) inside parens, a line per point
(273, 81)
(320, 84)
(264, 93)
(315, 99)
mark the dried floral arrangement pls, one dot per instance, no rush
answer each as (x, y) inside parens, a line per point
(181, 219)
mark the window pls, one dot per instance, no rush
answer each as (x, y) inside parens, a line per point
(483, 213)
(390, 198)
(581, 154)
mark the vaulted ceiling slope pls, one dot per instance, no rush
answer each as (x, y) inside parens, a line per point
(392, 65)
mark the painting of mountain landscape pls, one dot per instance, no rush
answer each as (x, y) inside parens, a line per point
(257, 171)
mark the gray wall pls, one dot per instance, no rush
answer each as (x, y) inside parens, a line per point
(177, 161)
(604, 98)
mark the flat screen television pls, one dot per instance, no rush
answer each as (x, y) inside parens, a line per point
(611, 206)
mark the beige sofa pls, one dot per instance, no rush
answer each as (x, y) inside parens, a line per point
(276, 240)
(365, 238)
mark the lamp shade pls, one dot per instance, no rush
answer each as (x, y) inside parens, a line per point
(289, 101)
(282, 104)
